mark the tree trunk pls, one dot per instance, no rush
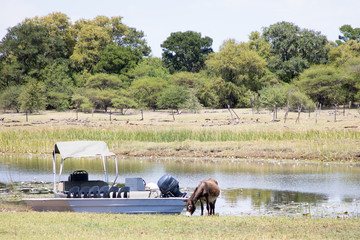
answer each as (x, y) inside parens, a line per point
(287, 110)
(299, 111)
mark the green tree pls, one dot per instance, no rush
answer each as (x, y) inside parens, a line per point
(348, 33)
(208, 89)
(117, 60)
(121, 101)
(149, 67)
(58, 25)
(33, 96)
(237, 64)
(186, 51)
(294, 49)
(103, 81)
(91, 40)
(343, 53)
(192, 103)
(59, 86)
(258, 44)
(11, 72)
(173, 98)
(185, 79)
(274, 95)
(32, 46)
(101, 89)
(322, 83)
(145, 91)
(136, 41)
(351, 80)
(82, 103)
(9, 98)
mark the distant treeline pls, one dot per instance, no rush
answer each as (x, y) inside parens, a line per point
(49, 63)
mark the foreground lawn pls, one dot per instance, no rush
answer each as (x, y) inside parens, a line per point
(52, 225)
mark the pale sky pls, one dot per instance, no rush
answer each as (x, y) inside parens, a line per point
(217, 19)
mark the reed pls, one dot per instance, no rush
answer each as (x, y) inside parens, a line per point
(193, 135)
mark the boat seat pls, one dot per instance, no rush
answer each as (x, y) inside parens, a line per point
(94, 192)
(104, 192)
(113, 191)
(124, 190)
(73, 192)
(84, 192)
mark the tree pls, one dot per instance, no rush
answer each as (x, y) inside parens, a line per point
(91, 40)
(82, 103)
(59, 86)
(343, 53)
(238, 64)
(103, 81)
(185, 79)
(33, 96)
(9, 98)
(294, 49)
(32, 47)
(57, 25)
(186, 51)
(173, 97)
(101, 89)
(145, 91)
(192, 103)
(122, 102)
(274, 96)
(117, 60)
(351, 80)
(258, 44)
(348, 33)
(136, 41)
(149, 67)
(322, 84)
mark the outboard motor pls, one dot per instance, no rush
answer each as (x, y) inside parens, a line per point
(169, 187)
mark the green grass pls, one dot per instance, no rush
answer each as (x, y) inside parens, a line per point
(32, 225)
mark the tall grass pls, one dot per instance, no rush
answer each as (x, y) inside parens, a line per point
(25, 140)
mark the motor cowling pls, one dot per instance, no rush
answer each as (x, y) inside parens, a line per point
(169, 187)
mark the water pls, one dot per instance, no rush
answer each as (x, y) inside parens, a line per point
(247, 187)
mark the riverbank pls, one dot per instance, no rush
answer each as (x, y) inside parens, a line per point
(31, 225)
(210, 134)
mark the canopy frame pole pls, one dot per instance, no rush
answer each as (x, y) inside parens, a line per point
(61, 168)
(54, 169)
(105, 172)
(117, 170)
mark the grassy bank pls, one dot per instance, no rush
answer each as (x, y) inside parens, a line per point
(31, 225)
(209, 134)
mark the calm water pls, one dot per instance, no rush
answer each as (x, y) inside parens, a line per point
(247, 187)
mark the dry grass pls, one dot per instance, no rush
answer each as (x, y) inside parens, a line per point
(212, 133)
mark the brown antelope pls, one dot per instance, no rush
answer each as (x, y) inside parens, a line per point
(208, 190)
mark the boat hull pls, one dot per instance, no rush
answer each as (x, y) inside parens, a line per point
(110, 205)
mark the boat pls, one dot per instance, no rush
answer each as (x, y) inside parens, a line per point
(79, 194)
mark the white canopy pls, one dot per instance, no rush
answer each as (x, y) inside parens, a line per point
(77, 149)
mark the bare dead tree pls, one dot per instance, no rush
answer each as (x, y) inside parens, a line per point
(287, 111)
(299, 111)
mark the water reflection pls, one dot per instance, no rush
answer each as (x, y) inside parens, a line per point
(247, 187)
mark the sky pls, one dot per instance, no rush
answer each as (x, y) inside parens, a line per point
(217, 19)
